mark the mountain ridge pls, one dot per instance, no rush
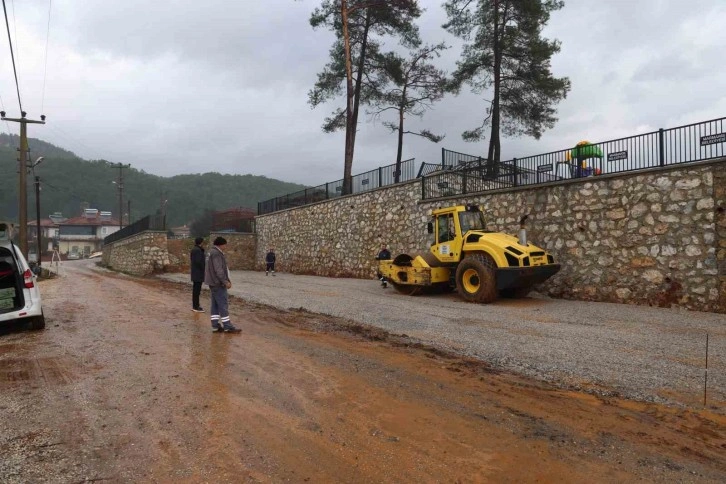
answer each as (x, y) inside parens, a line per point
(69, 182)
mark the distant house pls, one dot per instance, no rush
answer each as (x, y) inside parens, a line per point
(182, 232)
(234, 220)
(84, 235)
(48, 231)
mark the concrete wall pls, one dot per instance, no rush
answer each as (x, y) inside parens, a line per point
(140, 254)
(656, 237)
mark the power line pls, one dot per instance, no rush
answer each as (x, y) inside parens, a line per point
(15, 30)
(72, 143)
(12, 55)
(45, 69)
(65, 190)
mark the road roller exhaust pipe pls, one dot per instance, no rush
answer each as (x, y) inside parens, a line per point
(523, 231)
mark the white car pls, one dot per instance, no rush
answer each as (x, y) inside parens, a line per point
(19, 295)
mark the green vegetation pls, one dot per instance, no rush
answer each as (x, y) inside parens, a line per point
(67, 181)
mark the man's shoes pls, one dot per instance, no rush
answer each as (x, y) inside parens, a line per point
(232, 330)
(217, 329)
(385, 285)
(198, 310)
(273, 273)
(267, 273)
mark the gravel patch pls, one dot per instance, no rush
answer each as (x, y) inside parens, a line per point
(643, 353)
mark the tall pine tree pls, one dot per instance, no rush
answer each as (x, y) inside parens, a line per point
(359, 26)
(504, 51)
(417, 84)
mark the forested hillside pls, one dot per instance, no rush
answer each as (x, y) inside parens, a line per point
(68, 181)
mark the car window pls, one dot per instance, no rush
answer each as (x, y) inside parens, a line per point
(8, 266)
(7, 256)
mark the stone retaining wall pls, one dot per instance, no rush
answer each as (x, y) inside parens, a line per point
(656, 237)
(141, 254)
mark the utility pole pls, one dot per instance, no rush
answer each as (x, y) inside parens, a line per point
(120, 185)
(37, 218)
(162, 208)
(22, 171)
(37, 207)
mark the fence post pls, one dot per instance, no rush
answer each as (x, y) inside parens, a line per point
(327, 192)
(661, 147)
(442, 157)
(423, 188)
(514, 160)
(380, 177)
(306, 196)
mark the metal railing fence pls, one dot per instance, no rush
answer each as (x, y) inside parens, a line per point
(370, 180)
(427, 169)
(461, 173)
(150, 222)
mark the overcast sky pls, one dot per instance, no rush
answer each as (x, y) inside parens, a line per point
(189, 86)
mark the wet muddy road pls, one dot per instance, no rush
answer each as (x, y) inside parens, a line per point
(126, 384)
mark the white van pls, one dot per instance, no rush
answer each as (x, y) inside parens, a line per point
(19, 294)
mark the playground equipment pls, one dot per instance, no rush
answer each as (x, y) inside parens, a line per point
(579, 155)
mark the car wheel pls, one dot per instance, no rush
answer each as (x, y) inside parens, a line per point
(475, 278)
(37, 323)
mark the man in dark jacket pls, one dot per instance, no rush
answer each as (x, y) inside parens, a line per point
(384, 254)
(197, 269)
(270, 261)
(216, 276)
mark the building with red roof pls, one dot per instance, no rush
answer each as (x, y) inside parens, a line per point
(84, 235)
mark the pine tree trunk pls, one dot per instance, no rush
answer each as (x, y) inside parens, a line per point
(494, 144)
(349, 126)
(359, 77)
(400, 142)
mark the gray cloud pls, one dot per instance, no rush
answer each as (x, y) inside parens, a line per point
(189, 87)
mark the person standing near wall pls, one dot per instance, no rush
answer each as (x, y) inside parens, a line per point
(384, 254)
(270, 261)
(216, 276)
(197, 272)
